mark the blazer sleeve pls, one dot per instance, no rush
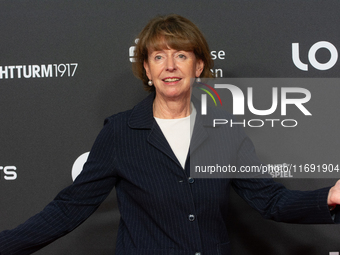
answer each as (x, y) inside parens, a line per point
(274, 201)
(71, 206)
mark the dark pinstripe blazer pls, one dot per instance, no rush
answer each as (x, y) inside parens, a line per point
(163, 210)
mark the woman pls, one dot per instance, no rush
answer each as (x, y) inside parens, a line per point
(164, 210)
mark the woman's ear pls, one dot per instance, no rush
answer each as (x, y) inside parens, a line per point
(199, 67)
(147, 70)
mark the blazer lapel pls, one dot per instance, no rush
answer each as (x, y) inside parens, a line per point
(142, 118)
(200, 133)
(158, 140)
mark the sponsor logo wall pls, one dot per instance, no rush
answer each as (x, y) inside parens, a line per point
(312, 56)
(38, 71)
(66, 65)
(8, 173)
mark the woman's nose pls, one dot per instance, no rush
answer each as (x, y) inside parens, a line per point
(170, 64)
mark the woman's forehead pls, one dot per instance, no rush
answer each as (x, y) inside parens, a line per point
(161, 44)
(156, 51)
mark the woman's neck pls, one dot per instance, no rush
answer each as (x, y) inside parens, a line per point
(171, 109)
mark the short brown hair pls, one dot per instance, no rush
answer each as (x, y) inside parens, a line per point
(172, 31)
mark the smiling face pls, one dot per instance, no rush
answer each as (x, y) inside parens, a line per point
(171, 70)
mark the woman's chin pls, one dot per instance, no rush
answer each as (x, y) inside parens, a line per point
(175, 94)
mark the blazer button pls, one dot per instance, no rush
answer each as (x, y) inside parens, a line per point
(191, 217)
(191, 180)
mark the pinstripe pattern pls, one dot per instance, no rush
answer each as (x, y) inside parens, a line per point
(154, 197)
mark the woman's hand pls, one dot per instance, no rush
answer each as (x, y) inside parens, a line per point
(334, 195)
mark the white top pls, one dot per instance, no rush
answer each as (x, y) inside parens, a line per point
(178, 134)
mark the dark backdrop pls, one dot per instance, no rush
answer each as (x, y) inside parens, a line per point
(50, 117)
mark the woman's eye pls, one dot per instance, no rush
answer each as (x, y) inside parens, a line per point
(158, 57)
(181, 56)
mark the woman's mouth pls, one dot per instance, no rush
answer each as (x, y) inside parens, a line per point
(171, 79)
